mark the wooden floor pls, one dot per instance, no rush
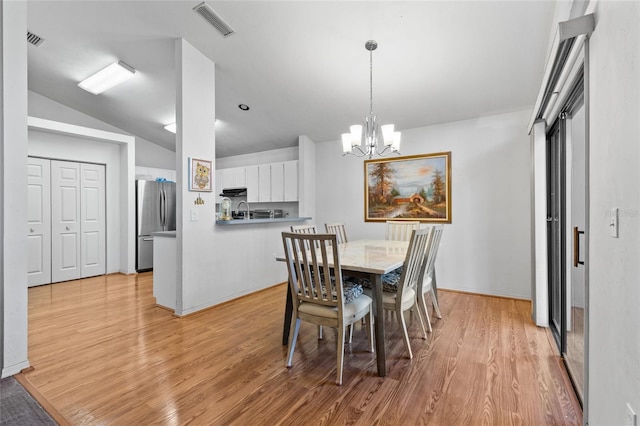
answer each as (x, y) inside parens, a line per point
(104, 354)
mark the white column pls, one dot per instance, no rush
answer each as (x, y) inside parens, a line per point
(13, 186)
(195, 138)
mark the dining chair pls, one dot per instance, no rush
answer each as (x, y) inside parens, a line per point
(404, 298)
(399, 230)
(426, 286)
(338, 229)
(319, 293)
(308, 229)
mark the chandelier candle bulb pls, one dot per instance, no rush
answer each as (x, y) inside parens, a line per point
(356, 134)
(346, 142)
(396, 141)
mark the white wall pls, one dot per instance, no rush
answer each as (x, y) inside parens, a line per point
(147, 154)
(273, 156)
(151, 155)
(13, 185)
(614, 270)
(487, 247)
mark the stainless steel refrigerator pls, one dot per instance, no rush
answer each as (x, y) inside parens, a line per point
(155, 211)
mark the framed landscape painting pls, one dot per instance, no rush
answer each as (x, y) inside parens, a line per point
(416, 187)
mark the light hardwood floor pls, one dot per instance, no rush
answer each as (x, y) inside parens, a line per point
(102, 353)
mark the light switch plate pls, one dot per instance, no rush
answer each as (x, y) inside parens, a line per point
(613, 222)
(194, 215)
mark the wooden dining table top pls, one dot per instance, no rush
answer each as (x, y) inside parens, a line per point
(370, 256)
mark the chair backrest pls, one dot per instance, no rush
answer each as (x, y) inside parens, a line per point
(338, 229)
(414, 261)
(432, 249)
(304, 229)
(311, 278)
(400, 230)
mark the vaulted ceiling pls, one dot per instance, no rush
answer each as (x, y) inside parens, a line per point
(300, 66)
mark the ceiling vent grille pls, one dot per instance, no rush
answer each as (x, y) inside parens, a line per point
(214, 19)
(34, 39)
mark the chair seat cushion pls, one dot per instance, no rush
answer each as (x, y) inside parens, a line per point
(389, 282)
(390, 298)
(351, 290)
(359, 304)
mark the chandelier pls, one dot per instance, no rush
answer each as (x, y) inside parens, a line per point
(368, 143)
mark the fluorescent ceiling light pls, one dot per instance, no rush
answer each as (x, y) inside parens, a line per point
(172, 127)
(107, 78)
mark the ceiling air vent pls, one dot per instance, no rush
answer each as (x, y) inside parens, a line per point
(214, 19)
(34, 39)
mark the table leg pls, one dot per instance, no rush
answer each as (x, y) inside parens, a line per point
(288, 311)
(376, 282)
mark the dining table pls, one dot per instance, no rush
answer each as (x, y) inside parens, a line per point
(366, 258)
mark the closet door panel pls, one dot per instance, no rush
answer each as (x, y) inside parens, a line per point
(93, 224)
(38, 222)
(65, 221)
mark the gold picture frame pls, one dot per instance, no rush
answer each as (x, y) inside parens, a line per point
(200, 175)
(415, 187)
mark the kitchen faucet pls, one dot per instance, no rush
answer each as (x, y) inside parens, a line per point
(247, 216)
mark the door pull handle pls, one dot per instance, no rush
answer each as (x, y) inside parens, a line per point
(67, 228)
(576, 247)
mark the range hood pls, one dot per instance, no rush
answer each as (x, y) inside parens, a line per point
(234, 192)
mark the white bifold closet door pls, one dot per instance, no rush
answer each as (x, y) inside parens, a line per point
(92, 220)
(38, 222)
(78, 221)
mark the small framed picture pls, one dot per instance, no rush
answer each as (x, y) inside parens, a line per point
(200, 175)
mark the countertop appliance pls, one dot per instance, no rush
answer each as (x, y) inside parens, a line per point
(155, 211)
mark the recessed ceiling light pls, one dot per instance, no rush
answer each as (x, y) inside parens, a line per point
(105, 79)
(244, 107)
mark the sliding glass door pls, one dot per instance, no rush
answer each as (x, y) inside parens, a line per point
(567, 184)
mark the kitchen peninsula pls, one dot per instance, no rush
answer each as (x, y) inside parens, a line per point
(260, 221)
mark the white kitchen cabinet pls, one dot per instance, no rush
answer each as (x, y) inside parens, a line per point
(290, 181)
(273, 182)
(253, 184)
(264, 183)
(277, 182)
(234, 177)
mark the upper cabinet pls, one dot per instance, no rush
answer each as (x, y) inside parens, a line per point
(273, 182)
(234, 177)
(291, 181)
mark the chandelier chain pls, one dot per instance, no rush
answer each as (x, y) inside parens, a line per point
(371, 82)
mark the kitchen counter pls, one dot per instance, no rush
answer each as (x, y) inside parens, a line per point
(260, 221)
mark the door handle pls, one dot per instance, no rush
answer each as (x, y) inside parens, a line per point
(576, 247)
(31, 230)
(67, 228)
